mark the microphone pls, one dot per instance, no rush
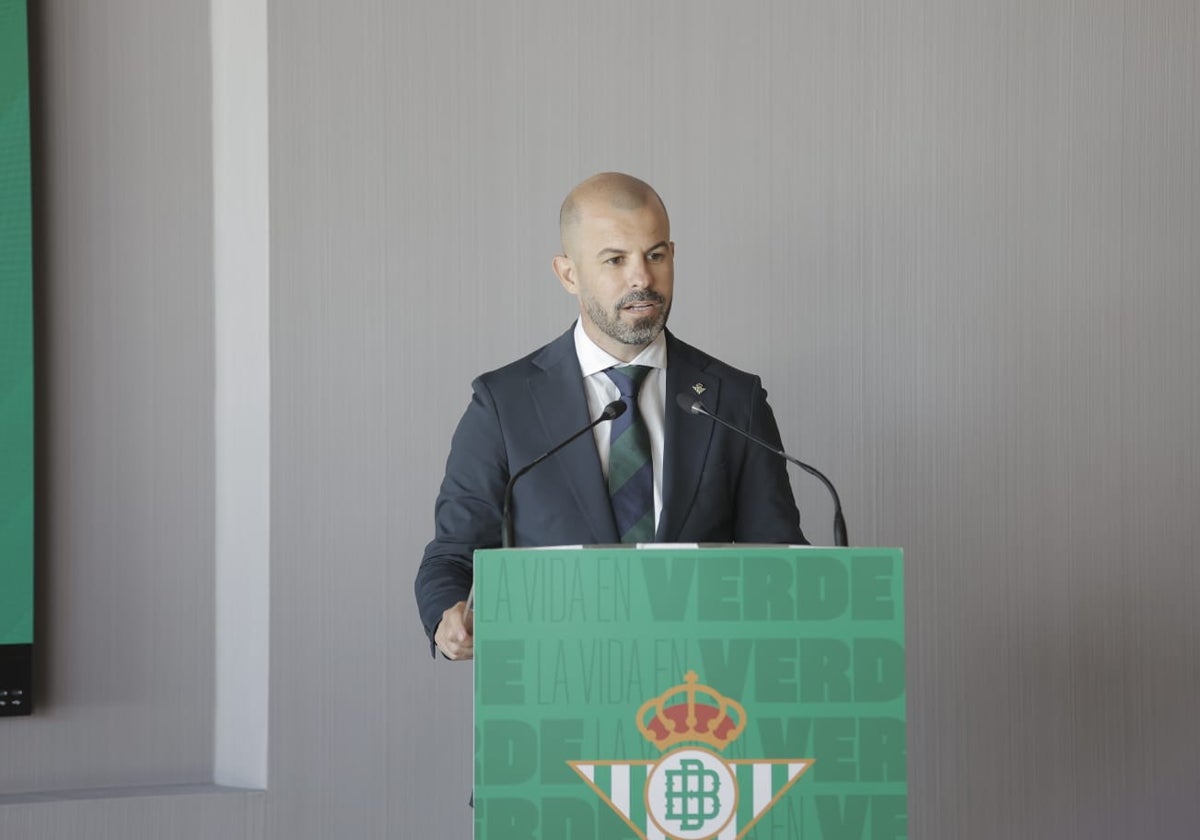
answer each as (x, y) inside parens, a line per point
(611, 412)
(695, 406)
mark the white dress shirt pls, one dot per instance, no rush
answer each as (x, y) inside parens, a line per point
(651, 399)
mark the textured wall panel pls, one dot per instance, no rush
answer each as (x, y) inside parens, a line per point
(956, 239)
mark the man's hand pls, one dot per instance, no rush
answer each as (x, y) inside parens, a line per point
(454, 636)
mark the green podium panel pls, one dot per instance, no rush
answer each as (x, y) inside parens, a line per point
(683, 693)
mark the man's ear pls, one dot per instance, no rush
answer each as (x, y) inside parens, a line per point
(564, 269)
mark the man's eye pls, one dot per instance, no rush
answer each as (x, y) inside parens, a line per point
(656, 256)
(614, 260)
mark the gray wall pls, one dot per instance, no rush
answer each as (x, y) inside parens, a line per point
(121, 744)
(957, 240)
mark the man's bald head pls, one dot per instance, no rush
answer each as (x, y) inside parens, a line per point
(608, 190)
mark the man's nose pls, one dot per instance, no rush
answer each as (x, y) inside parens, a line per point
(639, 273)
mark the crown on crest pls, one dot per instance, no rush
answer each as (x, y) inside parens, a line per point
(691, 712)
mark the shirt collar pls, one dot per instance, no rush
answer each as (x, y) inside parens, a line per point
(593, 360)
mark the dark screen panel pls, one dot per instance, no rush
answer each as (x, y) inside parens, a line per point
(16, 366)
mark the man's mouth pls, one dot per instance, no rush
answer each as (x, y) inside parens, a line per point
(643, 305)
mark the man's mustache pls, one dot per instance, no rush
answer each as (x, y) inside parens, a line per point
(641, 297)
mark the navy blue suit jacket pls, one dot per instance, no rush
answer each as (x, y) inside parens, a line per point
(717, 486)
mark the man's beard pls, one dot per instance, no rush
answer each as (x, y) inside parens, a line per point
(639, 332)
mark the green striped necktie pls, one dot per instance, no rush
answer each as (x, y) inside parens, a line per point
(630, 468)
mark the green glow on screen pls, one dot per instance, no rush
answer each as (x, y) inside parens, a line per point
(16, 332)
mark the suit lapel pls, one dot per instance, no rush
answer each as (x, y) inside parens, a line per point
(687, 438)
(561, 404)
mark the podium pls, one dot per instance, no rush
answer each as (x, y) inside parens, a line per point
(684, 693)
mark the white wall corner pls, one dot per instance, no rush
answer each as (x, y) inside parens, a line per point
(242, 382)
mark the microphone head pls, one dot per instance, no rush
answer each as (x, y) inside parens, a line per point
(689, 403)
(613, 410)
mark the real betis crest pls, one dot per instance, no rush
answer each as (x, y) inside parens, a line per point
(691, 792)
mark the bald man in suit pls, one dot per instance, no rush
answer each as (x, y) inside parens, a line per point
(709, 484)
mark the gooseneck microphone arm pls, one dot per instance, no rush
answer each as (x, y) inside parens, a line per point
(691, 405)
(611, 412)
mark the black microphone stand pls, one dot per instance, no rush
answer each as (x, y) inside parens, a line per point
(692, 406)
(507, 538)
